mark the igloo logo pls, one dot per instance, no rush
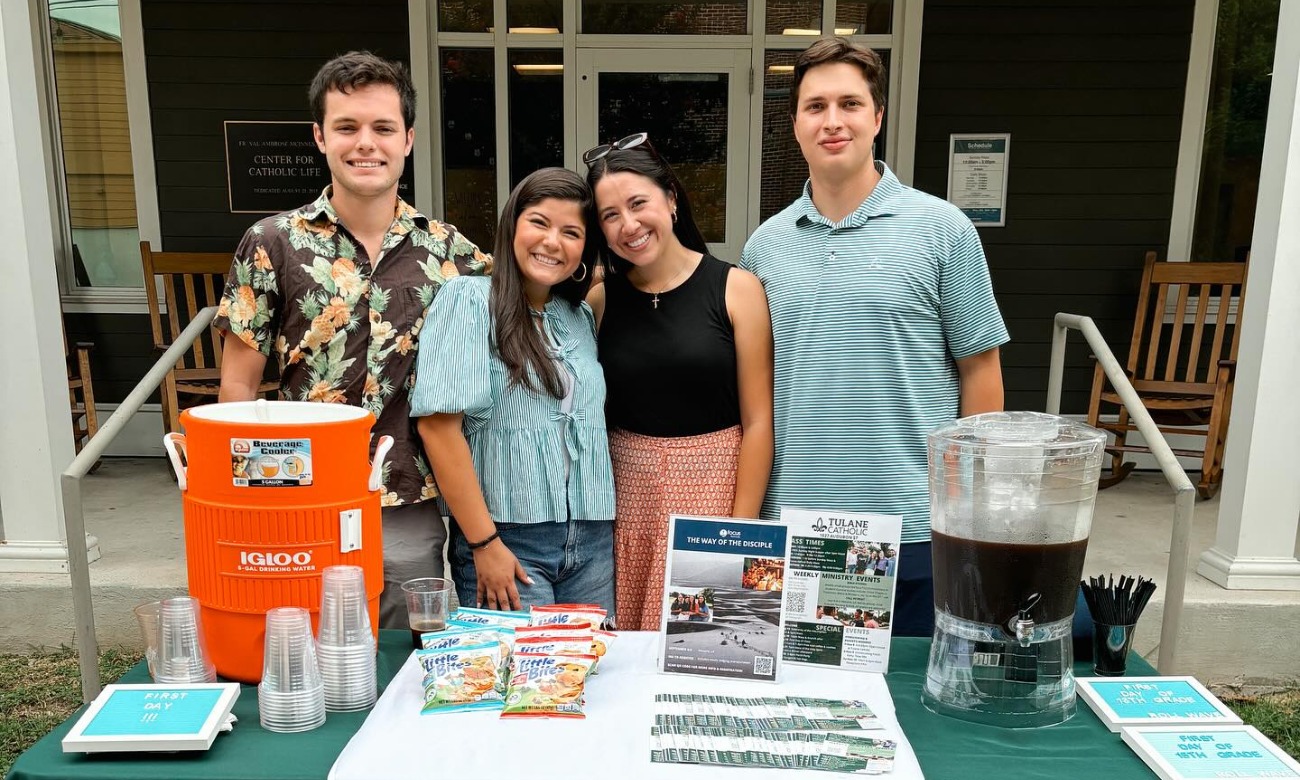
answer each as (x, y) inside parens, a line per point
(277, 559)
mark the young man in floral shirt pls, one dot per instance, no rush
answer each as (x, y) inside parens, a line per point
(338, 290)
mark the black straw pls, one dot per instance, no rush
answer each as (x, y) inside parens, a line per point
(1117, 604)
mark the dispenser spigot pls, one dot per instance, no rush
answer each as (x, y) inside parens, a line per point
(1024, 623)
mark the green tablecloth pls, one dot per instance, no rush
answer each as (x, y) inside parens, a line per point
(947, 749)
(954, 750)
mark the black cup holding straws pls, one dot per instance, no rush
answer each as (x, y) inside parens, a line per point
(1110, 646)
(1115, 610)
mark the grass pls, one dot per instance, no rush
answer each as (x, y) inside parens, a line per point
(1277, 715)
(40, 690)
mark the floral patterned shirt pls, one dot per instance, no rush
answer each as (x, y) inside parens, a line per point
(345, 329)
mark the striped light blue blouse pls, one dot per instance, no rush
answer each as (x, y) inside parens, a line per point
(536, 462)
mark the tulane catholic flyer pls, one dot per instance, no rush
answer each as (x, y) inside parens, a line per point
(840, 588)
(722, 598)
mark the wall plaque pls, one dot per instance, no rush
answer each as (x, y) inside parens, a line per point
(275, 166)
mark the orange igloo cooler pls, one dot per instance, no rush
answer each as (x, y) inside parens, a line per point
(273, 492)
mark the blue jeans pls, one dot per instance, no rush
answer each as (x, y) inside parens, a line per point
(569, 563)
(914, 591)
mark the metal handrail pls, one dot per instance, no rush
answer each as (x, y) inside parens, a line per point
(1180, 538)
(74, 518)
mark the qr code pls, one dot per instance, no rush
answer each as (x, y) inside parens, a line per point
(795, 602)
(763, 664)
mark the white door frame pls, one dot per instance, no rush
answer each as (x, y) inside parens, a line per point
(735, 62)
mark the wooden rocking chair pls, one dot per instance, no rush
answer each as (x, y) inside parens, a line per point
(190, 281)
(1179, 368)
(81, 394)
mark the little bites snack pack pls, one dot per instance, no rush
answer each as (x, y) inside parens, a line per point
(547, 686)
(461, 678)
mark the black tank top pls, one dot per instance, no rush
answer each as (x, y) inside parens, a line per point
(671, 370)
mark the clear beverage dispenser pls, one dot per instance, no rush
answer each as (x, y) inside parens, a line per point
(1011, 501)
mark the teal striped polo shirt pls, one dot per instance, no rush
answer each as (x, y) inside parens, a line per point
(868, 316)
(538, 459)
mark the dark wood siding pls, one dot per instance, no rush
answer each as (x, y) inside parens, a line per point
(1092, 94)
(212, 61)
(208, 62)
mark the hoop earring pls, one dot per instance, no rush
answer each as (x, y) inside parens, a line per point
(582, 278)
(674, 216)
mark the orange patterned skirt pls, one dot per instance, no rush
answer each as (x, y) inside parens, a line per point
(653, 478)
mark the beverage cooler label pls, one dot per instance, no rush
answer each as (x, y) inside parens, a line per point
(839, 599)
(270, 462)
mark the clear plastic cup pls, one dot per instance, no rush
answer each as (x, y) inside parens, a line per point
(291, 696)
(426, 605)
(349, 676)
(346, 649)
(147, 616)
(182, 651)
(344, 613)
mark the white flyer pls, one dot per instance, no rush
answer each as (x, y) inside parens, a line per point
(840, 577)
(722, 598)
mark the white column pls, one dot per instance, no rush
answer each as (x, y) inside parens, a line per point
(1260, 505)
(35, 418)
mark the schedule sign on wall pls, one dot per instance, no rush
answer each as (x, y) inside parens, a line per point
(977, 176)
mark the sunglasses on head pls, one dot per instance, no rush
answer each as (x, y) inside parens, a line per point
(596, 152)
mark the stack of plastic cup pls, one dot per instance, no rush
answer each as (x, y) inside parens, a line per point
(291, 696)
(347, 645)
(182, 652)
(147, 616)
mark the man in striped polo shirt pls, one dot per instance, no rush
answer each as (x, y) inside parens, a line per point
(883, 316)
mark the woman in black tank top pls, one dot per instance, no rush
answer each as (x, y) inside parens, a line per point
(686, 345)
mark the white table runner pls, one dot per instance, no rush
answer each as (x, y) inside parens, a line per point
(398, 743)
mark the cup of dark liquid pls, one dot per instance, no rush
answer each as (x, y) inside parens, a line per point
(427, 600)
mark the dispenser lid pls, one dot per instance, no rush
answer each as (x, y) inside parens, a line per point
(1045, 434)
(266, 412)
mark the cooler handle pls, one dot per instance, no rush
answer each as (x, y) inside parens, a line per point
(377, 465)
(173, 442)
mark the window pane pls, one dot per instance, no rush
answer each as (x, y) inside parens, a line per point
(686, 117)
(649, 17)
(864, 17)
(535, 16)
(536, 111)
(464, 15)
(783, 170)
(469, 143)
(1234, 130)
(797, 17)
(91, 92)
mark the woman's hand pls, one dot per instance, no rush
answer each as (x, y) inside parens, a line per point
(497, 569)
(453, 467)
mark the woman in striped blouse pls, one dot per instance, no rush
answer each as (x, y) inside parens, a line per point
(510, 401)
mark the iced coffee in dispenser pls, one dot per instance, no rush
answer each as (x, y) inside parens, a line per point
(1011, 503)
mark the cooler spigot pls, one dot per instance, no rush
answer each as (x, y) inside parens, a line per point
(1024, 623)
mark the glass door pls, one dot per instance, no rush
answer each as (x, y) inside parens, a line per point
(695, 106)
